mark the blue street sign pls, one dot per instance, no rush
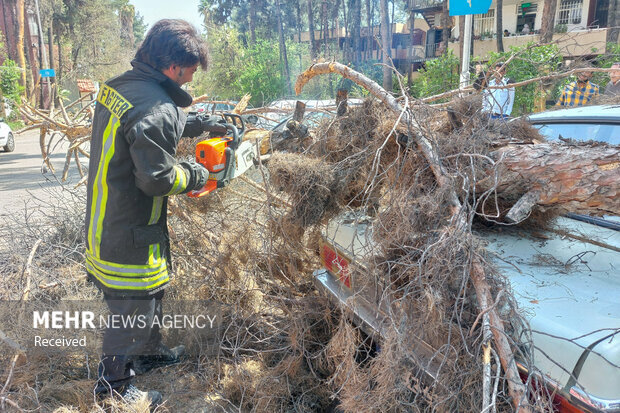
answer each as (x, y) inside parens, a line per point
(47, 73)
(463, 7)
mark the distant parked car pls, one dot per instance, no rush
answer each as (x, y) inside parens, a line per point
(566, 281)
(7, 141)
(599, 123)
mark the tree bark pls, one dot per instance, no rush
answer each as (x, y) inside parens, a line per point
(386, 46)
(313, 52)
(548, 18)
(499, 28)
(578, 178)
(21, 58)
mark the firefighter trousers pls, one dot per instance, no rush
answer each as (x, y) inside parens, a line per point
(130, 332)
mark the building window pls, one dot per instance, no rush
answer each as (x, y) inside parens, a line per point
(484, 24)
(569, 12)
(526, 14)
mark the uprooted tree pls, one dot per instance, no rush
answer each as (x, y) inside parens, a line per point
(454, 165)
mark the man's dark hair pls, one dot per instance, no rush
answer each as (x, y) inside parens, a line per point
(172, 42)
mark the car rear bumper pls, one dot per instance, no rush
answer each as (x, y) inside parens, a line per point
(374, 323)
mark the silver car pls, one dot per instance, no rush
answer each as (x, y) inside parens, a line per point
(566, 281)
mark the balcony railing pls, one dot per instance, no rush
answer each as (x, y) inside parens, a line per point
(422, 53)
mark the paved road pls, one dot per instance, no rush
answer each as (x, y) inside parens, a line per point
(23, 184)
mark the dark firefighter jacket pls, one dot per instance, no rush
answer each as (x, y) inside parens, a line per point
(136, 128)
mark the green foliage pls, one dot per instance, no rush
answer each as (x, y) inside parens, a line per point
(139, 28)
(439, 75)
(235, 69)
(530, 62)
(261, 75)
(9, 81)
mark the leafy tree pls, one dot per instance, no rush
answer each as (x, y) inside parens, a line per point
(530, 62)
(439, 75)
(139, 28)
(10, 75)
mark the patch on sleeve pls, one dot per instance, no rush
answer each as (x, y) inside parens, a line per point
(113, 101)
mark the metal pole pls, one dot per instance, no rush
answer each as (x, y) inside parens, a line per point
(466, 52)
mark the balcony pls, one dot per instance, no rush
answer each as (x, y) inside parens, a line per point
(422, 53)
(574, 43)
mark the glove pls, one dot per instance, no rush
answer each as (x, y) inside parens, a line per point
(197, 124)
(193, 126)
(197, 174)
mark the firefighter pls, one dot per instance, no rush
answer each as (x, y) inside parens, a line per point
(136, 128)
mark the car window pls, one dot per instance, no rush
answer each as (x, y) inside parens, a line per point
(609, 133)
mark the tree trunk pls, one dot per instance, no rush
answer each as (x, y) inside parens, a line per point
(369, 41)
(21, 58)
(346, 46)
(126, 16)
(461, 36)
(613, 21)
(2, 111)
(287, 77)
(313, 52)
(499, 28)
(411, 45)
(445, 26)
(580, 178)
(325, 27)
(356, 17)
(548, 18)
(60, 55)
(299, 30)
(386, 46)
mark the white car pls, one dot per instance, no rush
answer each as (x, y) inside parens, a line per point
(566, 282)
(7, 141)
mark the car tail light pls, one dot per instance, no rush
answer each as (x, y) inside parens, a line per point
(336, 264)
(561, 405)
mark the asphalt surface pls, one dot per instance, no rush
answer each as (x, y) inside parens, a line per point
(26, 185)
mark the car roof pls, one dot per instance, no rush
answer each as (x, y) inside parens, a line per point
(588, 114)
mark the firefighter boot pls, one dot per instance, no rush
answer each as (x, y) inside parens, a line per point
(162, 356)
(133, 396)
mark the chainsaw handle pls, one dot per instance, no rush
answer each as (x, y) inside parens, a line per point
(235, 119)
(234, 144)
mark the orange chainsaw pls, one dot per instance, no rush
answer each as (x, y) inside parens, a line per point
(224, 154)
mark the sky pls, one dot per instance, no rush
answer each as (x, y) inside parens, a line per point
(154, 10)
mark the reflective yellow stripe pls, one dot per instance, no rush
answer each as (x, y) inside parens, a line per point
(180, 181)
(100, 187)
(126, 270)
(158, 202)
(123, 283)
(113, 101)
